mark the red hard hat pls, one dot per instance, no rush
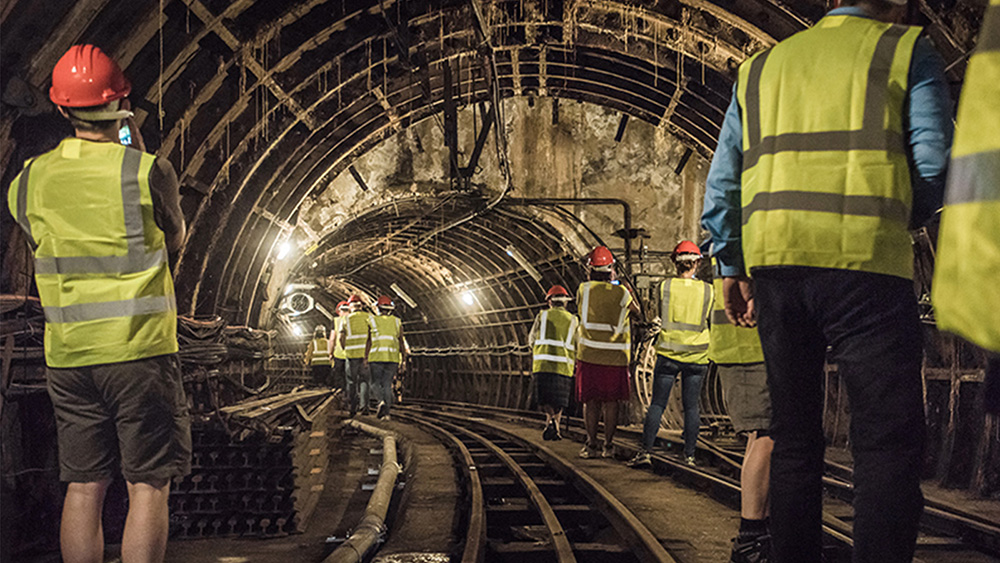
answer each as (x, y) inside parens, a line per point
(686, 247)
(355, 299)
(557, 291)
(601, 256)
(385, 302)
(342, 305)
(86, 77)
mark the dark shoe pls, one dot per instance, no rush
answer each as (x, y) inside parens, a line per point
(557, 436)
(549, 433)
(751, 550)
(383, 410)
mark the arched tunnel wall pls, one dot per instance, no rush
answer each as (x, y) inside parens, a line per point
(361, 133)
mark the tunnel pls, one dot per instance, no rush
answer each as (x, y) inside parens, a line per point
(459, 156)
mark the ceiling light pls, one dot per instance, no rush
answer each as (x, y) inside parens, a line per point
(468, 298)
(284, 249)
(402, 295)
(523, 262)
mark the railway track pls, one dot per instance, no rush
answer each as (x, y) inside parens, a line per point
(948, 533)
(527, 504)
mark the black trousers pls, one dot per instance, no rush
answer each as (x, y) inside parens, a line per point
(871, 324)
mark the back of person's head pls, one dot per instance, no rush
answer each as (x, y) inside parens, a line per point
(90, 89)
(320, 331)
(884, 10)
(598, 275)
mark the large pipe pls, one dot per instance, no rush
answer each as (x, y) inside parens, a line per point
(370, 529)
(626, 214)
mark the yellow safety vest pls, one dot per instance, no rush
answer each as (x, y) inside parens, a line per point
(731, 344)
(825, 178)
(553, 349)
(684, 307)
(385, 339)
(605, 334)
(338, 350)
(100, 259)
(358, 325)
(320, 352)
(966, 290)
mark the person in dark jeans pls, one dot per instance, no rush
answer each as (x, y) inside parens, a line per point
(871, 325)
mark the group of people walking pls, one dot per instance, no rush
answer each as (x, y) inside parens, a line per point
(368, 352)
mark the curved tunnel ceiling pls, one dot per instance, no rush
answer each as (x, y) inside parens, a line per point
(261, 104)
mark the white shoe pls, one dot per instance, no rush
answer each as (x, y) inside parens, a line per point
(690, 461)
(608, 452)
(642, 458)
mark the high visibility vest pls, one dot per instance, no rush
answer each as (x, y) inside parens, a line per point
(100, 259)
(357, 326)
(825, 179)
(320, 352)
(966, 292)
(684, 308)
(605, 334)
(731, 344)
(385, 339)
(338, 350)
(553, 349)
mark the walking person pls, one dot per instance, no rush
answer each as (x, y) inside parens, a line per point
(603, 351)
(356, 339)
(339, 356)
(739, 361)
(318, 357)
(681, 350)
(835, 143)
(965, 293)
(102, 220)
(388, 354)
(553, 339)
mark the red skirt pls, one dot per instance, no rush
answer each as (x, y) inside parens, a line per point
(595, 382)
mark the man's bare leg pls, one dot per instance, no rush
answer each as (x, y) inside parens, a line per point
(146, 527)
(755, 477)
(81, 534)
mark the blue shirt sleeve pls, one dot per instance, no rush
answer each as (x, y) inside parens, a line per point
(930, 129)
(722, 215)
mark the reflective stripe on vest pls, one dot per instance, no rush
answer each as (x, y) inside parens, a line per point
(338, 350)
(553, 348)
(90, 224)
(357, 326)
(605, 335)
(965, 291)
(385, 339)
(320, 352)
(731, 344)
(684, 309)
(825, 179)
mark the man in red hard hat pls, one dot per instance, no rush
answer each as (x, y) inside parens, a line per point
(603, 351)
(339, 356)
(681, 350)
(553, 346)
(102, 220)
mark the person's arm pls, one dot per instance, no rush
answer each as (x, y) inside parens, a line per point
(723, 213)
(343, 334)
(535, 329)
(368, 342)
(165, 193)
(402, 350)
(930, 130)
(309, 354)
(723, 217)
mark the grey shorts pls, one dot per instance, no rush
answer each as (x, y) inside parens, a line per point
(133, 414)
(747, 398)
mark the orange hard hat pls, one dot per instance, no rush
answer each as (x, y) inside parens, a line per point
(342, 305)
(385, 302)
(355, 299)
(686, 250)
(601, 257)
(86, 77)
(557, 291)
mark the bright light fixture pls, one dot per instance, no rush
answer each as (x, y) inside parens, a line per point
(523, 262)
(284, 249)
(402, 295)
(296, 330)
(467, 298)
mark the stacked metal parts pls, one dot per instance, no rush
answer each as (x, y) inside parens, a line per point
(257, 468)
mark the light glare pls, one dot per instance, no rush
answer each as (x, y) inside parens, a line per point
(283, 250)
(468, 298)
